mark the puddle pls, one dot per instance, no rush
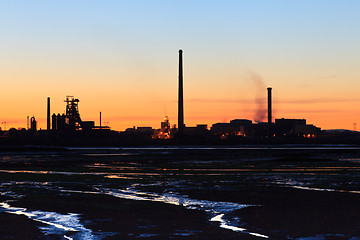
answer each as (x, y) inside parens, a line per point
(66, 225)
(324, 189)
(224, 224)
(216, 210)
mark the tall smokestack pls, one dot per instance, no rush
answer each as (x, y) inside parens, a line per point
(100, 120)
(269, 112)
(48, 113)
(181, 99)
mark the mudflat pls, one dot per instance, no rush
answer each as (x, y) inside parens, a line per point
(263, 192)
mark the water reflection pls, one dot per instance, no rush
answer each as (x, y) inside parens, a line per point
(66, 225)
(216, 210)
(324, 189)
(225, 225)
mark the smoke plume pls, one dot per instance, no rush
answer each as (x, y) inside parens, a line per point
(260, 99)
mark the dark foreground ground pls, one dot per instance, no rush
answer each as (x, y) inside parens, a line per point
(296, 192)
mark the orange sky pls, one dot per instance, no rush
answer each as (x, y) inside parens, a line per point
(144, 101)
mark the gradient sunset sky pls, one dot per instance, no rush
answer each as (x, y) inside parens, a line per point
(121, 58)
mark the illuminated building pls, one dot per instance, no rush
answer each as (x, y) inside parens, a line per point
(164, 132)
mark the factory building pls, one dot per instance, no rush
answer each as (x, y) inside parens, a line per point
(295, 127)
(71, 120)
(199, 130)
(164, 132)
(236, 127)
(139, 133)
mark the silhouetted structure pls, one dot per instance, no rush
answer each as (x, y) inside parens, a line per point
(165, 125)
(165, 129)
(269, 113)
(33, 124)
(60, 122)
(48, 114)
(181, 99)
(138, 134)
(295, 128)
(53, 121)
(241, 122)
(72, 119)
(199, 130)
(236, 127)
(259, 130)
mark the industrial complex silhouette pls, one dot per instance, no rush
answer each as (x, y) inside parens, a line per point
(61, 127)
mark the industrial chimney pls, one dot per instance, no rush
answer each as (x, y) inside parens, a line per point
(48, 114)
(269, 112)
(181, 99)
(100, 120)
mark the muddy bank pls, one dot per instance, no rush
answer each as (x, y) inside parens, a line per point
(196, 193)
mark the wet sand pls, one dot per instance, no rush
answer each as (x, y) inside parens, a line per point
(174, 193)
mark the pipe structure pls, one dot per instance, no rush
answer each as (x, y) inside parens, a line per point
(100, 120)
(181, 99)
(269, 112)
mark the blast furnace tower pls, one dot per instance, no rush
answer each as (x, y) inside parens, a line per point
(72, 116)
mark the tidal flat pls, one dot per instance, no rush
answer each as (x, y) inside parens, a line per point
(266, 192)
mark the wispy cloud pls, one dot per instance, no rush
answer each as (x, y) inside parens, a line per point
(313, 111)
(133, 118)
(316, 100)
(216, 100)
(330, 76)
(220, 100)
(263, 100)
